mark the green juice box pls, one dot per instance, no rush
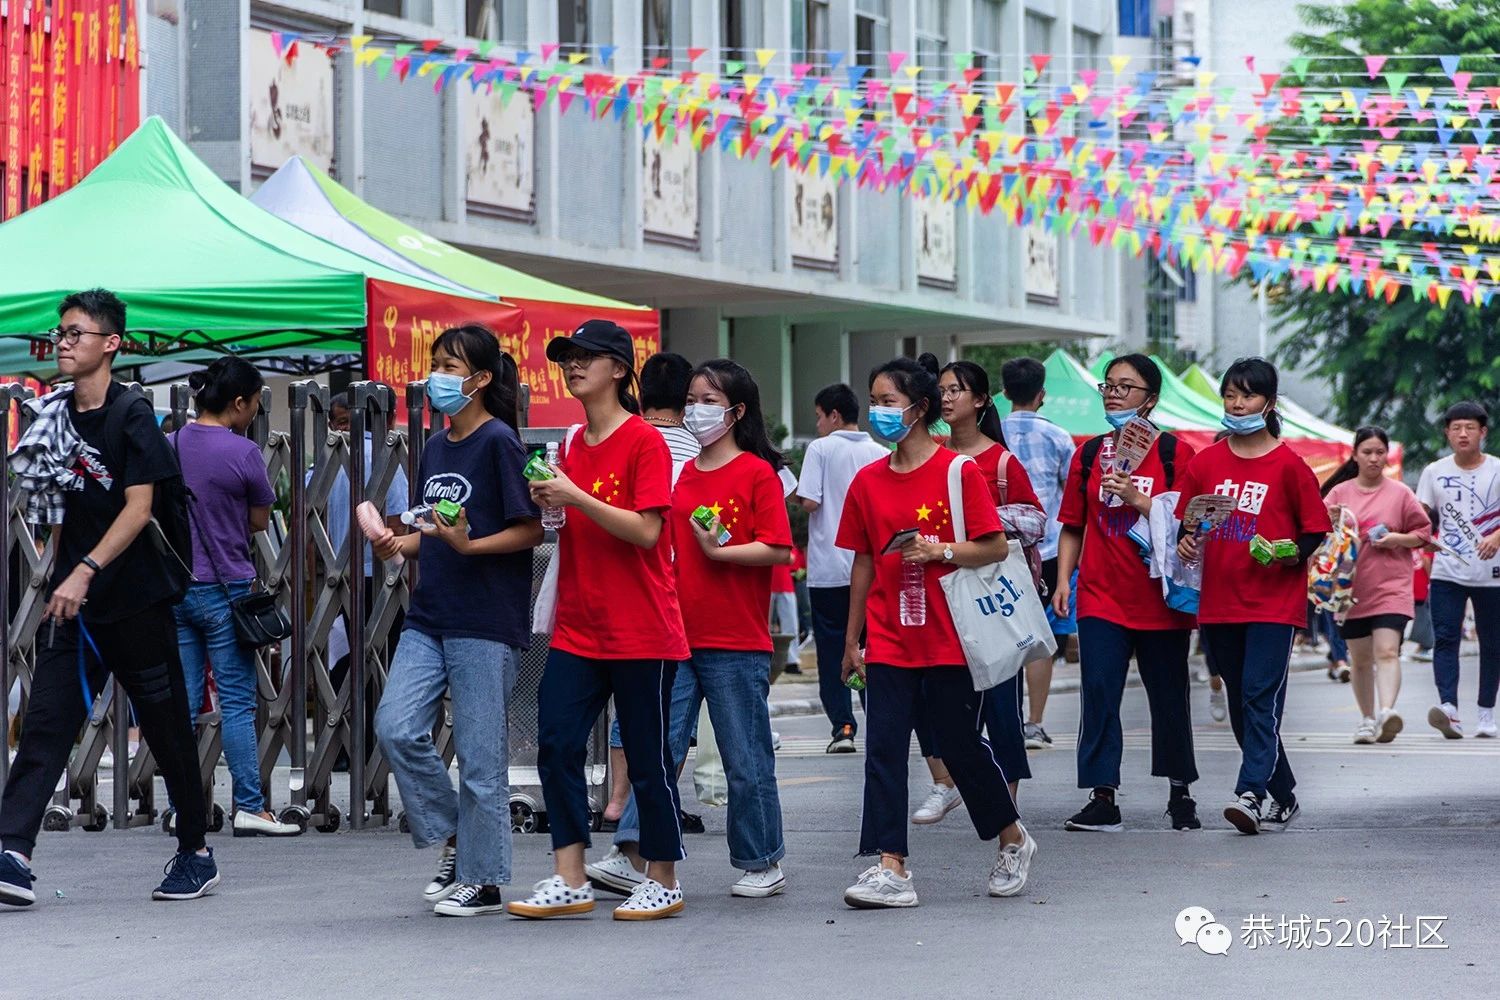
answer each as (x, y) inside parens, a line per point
(705, 519)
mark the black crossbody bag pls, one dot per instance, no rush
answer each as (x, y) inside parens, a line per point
(258, 622)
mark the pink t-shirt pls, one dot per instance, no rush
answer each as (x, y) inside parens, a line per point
(1382, 577)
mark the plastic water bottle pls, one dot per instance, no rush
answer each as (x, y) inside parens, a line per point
(422, 511)
(913, 594)
(553, 517)
(1107, 465)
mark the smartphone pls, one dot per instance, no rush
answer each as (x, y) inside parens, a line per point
(899, 539)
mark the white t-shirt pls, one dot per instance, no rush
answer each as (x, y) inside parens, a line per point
(827, 470)
(1467, 504)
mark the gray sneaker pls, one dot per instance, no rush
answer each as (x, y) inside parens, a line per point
(1008, 876)
(1036, 737)
(879, 888)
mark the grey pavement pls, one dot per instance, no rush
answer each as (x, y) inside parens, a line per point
(1410, 828)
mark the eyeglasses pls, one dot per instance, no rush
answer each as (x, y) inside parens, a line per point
(577, 360)
(70, 334)
(952, 392)
(1119, 388)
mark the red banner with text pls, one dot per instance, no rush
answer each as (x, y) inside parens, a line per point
(551, 406)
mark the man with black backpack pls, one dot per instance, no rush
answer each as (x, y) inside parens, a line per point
(97, 466)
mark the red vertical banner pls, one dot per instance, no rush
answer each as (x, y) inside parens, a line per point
(15, 59)
(130, 73)
(77, 52)
(36, 105)
(109, 124)
(93, 67)
(57, 112)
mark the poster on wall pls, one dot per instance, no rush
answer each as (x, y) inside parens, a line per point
(1041, 276)
(815, 220)
(937, 237)
(499, 151)
(669, 190)
(291, 105)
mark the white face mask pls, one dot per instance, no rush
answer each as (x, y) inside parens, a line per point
(705, 421)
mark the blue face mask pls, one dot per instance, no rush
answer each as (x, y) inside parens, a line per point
(886, 422)
(1250, 423)
(1119, 418)
(446, 393)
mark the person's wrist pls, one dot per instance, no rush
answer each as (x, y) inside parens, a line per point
(88, 564)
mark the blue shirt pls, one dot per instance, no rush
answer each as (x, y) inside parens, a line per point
(475, 597)
(1046, 451)
(338, 503)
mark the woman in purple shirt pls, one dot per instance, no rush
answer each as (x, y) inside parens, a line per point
(233, 495)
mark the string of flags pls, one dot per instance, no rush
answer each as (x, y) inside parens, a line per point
(1369, 175)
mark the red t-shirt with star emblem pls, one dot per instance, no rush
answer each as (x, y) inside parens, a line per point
(882, 502)
(615, 600)
(729, 605)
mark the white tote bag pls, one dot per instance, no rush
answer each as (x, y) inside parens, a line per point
(999, 616)
(544, 610)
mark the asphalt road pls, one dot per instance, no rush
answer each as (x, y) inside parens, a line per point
(1397, 832)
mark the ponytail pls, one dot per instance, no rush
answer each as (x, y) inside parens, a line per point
(974, 378)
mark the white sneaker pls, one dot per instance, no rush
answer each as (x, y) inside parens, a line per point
(553, 897)
(249, 824)
(1444, 718)
(1008, 876)
(445, 882)
(614, 873)
(651, 901)
(879, 888)
(755, 885)
(1218, 705)
(942, 800)
(1486, 726)
(1365, 733)
(1422, 656)
(1391, 723)
(775, 740)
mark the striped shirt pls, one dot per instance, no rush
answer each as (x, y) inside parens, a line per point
(1046, 451)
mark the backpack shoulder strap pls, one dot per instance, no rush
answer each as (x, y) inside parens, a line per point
(1087, 459)
(956, 497)
(1166, 450)
(1002, 476)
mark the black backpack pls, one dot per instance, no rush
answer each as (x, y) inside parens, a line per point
(1166, 450)
(170, 531)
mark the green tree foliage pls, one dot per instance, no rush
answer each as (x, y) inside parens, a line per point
(1400, 364)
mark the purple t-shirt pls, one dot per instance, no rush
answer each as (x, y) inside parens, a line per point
(228, 477)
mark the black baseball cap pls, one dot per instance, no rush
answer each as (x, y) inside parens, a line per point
(597, 336)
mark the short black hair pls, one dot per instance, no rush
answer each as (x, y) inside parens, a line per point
(339, 401)
(1255, 377)
(102, 306)
(838, 398)
(1466, 410)
(664, 381)
(1023, 380)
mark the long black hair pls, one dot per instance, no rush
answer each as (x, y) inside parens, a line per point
(1144, 366)
(477, 347)
(738, 386)
(1350, 469)
(977, 381)
(216, 387)
(917, 381)
(1255, 377)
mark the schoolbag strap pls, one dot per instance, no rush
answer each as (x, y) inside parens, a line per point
(1166, 450)
(956, 497)
(1087, 459)
(1002, 476)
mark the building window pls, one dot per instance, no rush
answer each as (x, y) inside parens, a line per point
(1085, 51)
(411, 10)
(810, 19)
(1164, 287)
(872, 34)
(1135, 18)
(989, 38)
(740, 24)
(583, 25)
(656, 30)
(932, 39)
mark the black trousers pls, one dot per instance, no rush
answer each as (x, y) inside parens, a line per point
(954, 711)
(830, 619)
(141, 653)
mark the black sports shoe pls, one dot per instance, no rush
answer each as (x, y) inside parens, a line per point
(471, 901)
(189, 876)
(1184, 813)
(15, 882)
(1244, 813)
(691, 822)
(843, 740)
(1274, 816)
(445, 882)
(1101, 815)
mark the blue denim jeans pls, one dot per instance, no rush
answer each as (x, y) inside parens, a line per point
(736, 685)
(205, 633)
(479, 675)
(1448, 601)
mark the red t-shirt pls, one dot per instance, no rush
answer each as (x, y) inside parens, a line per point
(1114, 582)
(881, 502)
(1018, 488)
(727, 606)
(615, 600)
(1278, 498)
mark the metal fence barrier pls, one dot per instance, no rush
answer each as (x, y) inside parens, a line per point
(305, 712)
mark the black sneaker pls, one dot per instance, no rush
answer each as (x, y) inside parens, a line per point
(189, 876)
(471, 901)
(1101, 815)
(1184, 813)
(843, 740)
(1244, 813)
(1275, 816)
(15, 882)
(445, 882)
(691, 822)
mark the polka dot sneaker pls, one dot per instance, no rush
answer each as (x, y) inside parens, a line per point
(651, 901)
(553, 897)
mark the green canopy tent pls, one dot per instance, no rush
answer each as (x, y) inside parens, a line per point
(199, 267)
(1074, 404)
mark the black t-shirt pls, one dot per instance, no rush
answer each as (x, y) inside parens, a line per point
(136, 579)
(475, 597)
